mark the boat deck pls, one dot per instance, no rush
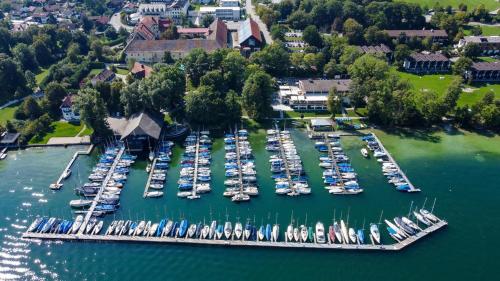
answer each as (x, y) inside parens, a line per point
(238, 243)
(101, 189)
(412, 187)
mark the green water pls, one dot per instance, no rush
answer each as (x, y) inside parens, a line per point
(460, 170)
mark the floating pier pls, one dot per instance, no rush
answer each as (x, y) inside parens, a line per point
(70, 164)
(101, 189)
(239, 243)
(412, 188)
(285, 160)
(151, 173)
(196, 164)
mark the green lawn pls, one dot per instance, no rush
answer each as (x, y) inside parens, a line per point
(359, 112)
(95, 71)
(7, 113)
(293, 39)
(491, 30)
(122, 71)
(478, 93)
(489, 4)
(296, 114)
(60, 129)
(487, 59)
(434, 82)
(40, 76)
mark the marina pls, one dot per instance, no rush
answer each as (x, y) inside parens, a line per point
(157, 169)
(240, 174)
(390, 167)
(286, 165)
(338, 175)
(195, 175)
(172, 232)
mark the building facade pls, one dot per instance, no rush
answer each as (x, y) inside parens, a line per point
(427, 63)
(402, 35)
(489, 45)
(67, 111)
(223, 13)
(312, 94)
(249, 37)
(174, 9)
(483, 72)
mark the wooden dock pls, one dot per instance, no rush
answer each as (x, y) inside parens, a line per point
(148, 182)
(72, 161)
(238, 160)
(285, 161)
(412, 187)
(196, 164)
(238, 243)
(101, 189)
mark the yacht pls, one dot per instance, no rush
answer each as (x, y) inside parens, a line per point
(320, 233)
(375, 233)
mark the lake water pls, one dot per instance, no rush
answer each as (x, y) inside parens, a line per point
(460, 170)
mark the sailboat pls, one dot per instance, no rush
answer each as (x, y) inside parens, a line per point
(289, 232)
(375, 233)
(220, 231)
(303, 233)
(228, 230)
(338, 232)
(276, 232)
(238, 230)
(261, 233)
(213, 227)
(343, 229)
(352, 235)
(268, 232)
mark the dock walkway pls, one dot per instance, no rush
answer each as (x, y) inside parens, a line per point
(238, 243)
(101, 189)
(412, 187)
(148, 182)
(72, 161)
(238, 161)
(196, 164)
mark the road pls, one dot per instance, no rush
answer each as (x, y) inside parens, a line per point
(116, 22)
(251, 11)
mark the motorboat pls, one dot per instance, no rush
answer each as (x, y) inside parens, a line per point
(154, 194)
(80, 203)
(331, 234)
(320, 233)
(55, 186)
(428, 215)
(66, 174)
(47, 226)
(375, 233)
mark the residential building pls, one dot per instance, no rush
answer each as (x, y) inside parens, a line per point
(173, 9)
(379, 49)
(223, 13)
(421, 63)
(490, 45)
(312, 94)
(105, 75)
(140, 70)
(67, 111)
(152, 51)
(484, 72)
(438, 36)
(249, 37)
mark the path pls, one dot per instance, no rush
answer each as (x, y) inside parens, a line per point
(116, 22)
(251, 11)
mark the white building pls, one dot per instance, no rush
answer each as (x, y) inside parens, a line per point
(173, 9)
(68, 113)
(224, 13)
(229, 3)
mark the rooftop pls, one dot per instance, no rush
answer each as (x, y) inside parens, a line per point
(482, 39)
(138, 124)
(317, 85)
(382, 48)
(315, 122)
(428, 57)
(485, 66)
(249, 28)
(417, 32)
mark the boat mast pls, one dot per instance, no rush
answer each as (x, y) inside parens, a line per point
(380, 218)
(411, 205)
(425, 201)
(433, 204)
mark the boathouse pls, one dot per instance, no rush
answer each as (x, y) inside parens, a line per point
(321, 124)
(140, 132)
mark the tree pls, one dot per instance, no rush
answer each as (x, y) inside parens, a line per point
(131, 99)
(96, 50)
(164, 89)
(333, 69)
(274, 59)
(42, 53)
(12, 79)
(471, 51)
(312, 37)
(54, 93)
(353, 31)
(452, 94)
(233, 107)
(5, 40)
(25, 56)
(207, 20)
(30, 79)
(215, 80)
(366, 73)
(92, 110)
(431, 107)
(299, 19)
(205, 106)
(111, 33)
(233, 69)
(196, 63)
(170, 33)
(73, 52)
(401, 52)
(461, 65)
(31, 108)
(167, 58)
(349, 55)
(334, 101)
(257, 95)
(278, 32)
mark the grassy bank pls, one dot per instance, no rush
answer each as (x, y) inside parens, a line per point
(478, 93)
(7, 113)
(471, 4)
(61, 129)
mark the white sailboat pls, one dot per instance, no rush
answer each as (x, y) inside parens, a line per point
(320, 233)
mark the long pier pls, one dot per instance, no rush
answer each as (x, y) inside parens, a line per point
(238, 243)
(101, 190)
(285, 160)
(238, 160)
(196, 164)
(334, 162)
(148, 182)
(412, 187)
(72, 161)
